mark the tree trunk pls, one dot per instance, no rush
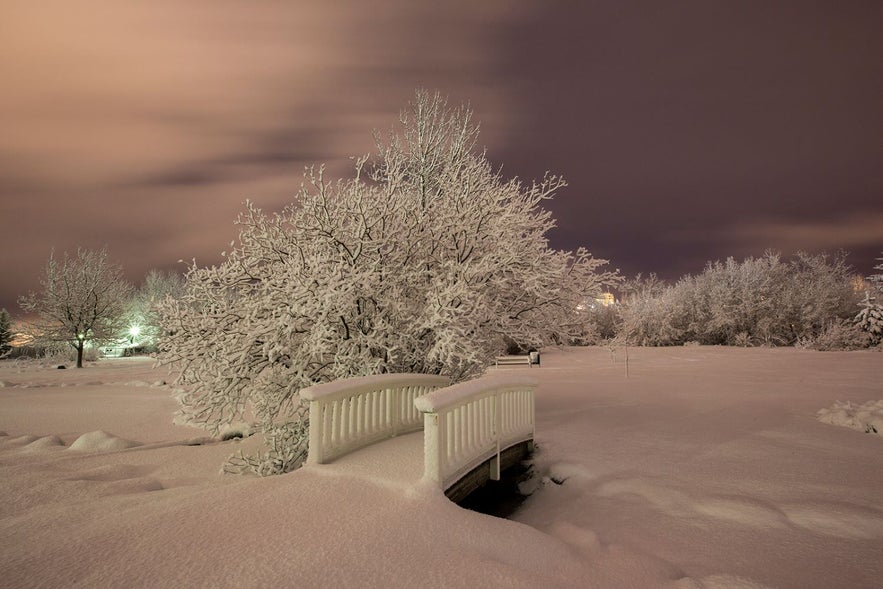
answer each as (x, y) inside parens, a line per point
(79, 353)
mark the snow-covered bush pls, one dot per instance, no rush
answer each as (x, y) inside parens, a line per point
(423, 262)
(759, 301)
(839, 334)
(287, 451)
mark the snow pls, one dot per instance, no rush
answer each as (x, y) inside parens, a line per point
(337, 389)
(866, 417)
(99, 441)
(464, 391)
(704, 468)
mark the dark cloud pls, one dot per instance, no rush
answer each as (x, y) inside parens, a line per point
(687, 132)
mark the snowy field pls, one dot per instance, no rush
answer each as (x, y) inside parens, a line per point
(706, 467)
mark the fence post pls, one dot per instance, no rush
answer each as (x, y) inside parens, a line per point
(432, 448)
(317, 427)
(495, 461)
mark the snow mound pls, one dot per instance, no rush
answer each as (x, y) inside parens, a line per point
(100, 441)
(21, 440)
(867, 417)
(44, 443)
(237, 430)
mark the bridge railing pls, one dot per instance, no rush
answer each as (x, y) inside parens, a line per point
(351, 413)
(467, 423)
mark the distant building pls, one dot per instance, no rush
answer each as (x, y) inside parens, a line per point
(605, 299)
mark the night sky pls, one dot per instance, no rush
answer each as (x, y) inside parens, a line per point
(688, 131)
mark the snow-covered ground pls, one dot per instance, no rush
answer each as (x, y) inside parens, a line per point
(706, 467)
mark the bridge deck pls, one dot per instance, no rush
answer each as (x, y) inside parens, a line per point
(397, 461)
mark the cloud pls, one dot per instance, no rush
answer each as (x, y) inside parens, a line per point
(144, 126)
(859, 230)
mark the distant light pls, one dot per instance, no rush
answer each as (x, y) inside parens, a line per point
(134, 330)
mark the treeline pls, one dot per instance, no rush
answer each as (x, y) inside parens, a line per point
(87, 307)
(808, 300)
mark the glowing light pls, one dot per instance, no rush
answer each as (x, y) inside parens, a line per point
(134, 331)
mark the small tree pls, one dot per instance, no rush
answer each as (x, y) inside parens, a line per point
(5, 331)
(870, 319)
(425, 262)
(876, 280)
(82, 300)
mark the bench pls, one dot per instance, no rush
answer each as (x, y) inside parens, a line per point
(509, 360)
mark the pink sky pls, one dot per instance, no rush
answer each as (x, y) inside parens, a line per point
(686, 133)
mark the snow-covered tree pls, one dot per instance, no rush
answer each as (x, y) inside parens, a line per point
(423, 262)
(870, 315)
(142, 321)
(870, 319)
(82, 300)
(5, 331)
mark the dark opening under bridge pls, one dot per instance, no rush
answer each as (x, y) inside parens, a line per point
(471, 430)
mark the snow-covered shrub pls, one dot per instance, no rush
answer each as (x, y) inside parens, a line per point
(743, 339)
(423, 262)
(288, 450)
(759, 301)
(840, 334)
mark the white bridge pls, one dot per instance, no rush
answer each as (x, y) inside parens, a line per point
(470, 430)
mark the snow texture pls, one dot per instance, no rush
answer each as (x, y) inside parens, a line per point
(866, 417)
(704, 468)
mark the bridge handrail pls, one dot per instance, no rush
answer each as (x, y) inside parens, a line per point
(352, 413)
(466, 423)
